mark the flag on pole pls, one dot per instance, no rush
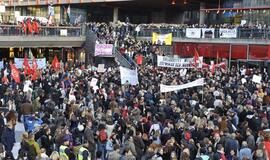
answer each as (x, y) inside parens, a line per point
(26, 66)
(217, 57)
(34, 65)
(34, 69)
(5, 79)
(55, 63)
(15, 73)
(196, 56)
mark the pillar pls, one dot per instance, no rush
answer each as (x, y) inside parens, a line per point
(202, 13)
(115, 14)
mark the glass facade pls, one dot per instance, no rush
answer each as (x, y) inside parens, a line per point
(245, 3)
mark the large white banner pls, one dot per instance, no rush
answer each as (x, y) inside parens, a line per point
(40, 61)
(166, 88)
(228, 33)
(129, 76)
(176, 62)
(193, 32)
(208, 33)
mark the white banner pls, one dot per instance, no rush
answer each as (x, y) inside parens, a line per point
(176, 62)
(129, 76)
(166, 88)
(41, 62)
(208, 33)
(227, 33)
(193, 32)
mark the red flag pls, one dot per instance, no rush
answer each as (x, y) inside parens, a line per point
(217, 57)
(26, 66)
(34, 76)
(55, 63)
(35, 65)
(196, 56)
(15, 73)
(222, 65)
(34, 69)
(5, 80)
(213, 69)
(204, 65)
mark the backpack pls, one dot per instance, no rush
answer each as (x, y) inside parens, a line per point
(102, 135)
(32, 153)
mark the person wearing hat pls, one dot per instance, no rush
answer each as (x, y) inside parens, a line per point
(84, 154)
(64, 149)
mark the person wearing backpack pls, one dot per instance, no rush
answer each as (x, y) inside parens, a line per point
(34, 149)
(102, 139)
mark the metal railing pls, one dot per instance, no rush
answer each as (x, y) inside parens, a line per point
(242, 33)
(16, 30)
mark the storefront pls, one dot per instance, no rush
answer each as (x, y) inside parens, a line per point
(70, 55)
(63, 14)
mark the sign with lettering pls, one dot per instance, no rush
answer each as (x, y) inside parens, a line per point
(176, 62)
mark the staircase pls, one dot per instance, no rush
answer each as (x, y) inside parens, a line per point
(91, 39)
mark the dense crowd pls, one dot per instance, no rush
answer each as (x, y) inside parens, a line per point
(66, 117)
(79, 113)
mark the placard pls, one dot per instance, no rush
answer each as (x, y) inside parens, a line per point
(227, 33)
(256, 79)
(208, 33)
(63, 32)
(162, 39)
(2, 8)
(103, 49)
(101, 68)
(129, 76)
(193, 32)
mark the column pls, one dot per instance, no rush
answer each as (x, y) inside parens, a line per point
(115, 14)
(202, 13)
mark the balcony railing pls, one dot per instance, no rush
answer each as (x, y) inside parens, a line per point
(48, 31)
(242, 33)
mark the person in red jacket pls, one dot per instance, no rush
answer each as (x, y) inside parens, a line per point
(23, 27)
(29, 26)
(35, 26)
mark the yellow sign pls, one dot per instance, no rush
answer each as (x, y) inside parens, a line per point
(162, 39)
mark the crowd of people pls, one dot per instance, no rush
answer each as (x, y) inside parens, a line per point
(77, 113)
(67, 117)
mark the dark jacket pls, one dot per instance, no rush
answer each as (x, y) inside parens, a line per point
(8, 139)
(89, 137)
(139, 146)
